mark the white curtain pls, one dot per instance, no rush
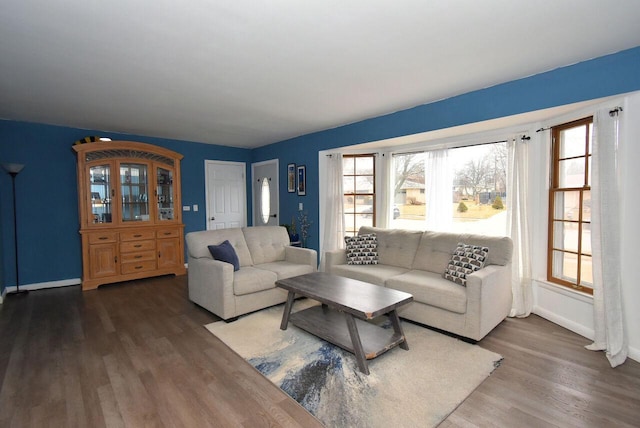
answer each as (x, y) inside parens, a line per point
(518, 226)
(605, 239)
(438, 188)
(386, 190)
(332, 217)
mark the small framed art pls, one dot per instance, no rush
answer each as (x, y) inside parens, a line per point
(302, 180)
(291, 178)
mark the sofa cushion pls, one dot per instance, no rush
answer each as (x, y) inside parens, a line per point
(198, 242)
(225, 253)
(439, 292)
(362, 249)
(266, 243)
(251, 280)
(285, 269)
(436, 248)
(464, 261)
(374, 274)
(396, 247)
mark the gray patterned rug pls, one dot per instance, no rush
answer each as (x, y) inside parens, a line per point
(415, 388)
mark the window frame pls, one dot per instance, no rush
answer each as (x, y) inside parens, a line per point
(355, 194)
(554, 189)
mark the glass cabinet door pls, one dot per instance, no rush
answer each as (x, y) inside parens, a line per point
(134, 191)
(101, 193)
(164, 184)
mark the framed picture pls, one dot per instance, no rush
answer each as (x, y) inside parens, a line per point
(302, 180)
(291, 178)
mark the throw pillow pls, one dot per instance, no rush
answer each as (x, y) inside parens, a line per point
(466, 260)
(362, 249)
(225, 253)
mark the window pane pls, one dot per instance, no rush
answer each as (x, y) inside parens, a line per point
(572, 142)
(567, 205)
(349, 204)
(265, 200)
(589, 173)
(565, 266)
(348, 185)
(586, 238)
(348, 165)
(586, 205)
(571, 173)
(408, 203)
(565, 236)
(364, 184)
(586, 271)
(364, 165)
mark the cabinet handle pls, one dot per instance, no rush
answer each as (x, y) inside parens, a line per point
(113, 193)
(137, 236)
(138, 257)
(138, 267)
(137, 245)
(102, 238)
(116, 259)
(167, 233)
(159, 254)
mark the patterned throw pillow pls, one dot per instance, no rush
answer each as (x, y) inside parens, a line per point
(362, 249)
(466, 260)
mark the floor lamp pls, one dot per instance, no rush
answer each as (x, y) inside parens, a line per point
(13, 169)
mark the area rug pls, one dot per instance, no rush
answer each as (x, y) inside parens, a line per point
(419, 387)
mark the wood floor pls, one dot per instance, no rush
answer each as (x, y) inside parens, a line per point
(136, 354)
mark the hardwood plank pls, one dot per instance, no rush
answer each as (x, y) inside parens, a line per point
(136, 353)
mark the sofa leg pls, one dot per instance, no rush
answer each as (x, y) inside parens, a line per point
(231, 319)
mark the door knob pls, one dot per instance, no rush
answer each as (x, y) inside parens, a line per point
(212, 218)
(274, 215)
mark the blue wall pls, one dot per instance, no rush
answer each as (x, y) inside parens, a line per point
(47, 195)
(48, 211)
(605, 76)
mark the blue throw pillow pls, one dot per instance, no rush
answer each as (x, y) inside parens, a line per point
(225, 253)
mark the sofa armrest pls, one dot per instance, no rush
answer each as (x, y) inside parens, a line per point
(489, 296)
(302, 256)
(334, 258)
(211, 286)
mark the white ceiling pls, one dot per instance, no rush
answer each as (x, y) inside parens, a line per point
(247, 73)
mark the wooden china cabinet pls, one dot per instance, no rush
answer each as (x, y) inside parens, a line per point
(130, 212)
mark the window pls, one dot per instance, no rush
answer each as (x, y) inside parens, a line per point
(569, 245)
(478, 202)
(359, 192)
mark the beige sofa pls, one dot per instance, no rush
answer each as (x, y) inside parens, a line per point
(414, 261)
(265, 256)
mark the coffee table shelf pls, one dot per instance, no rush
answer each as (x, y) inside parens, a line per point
(330, 325)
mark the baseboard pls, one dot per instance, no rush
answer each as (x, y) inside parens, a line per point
(632, 353)
(564, 322)
(49, 284)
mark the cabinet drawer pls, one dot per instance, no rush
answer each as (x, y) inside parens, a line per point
(140, 256)
(138, 267)
(102, 237)
(137, 246)
(137, 235)
(168, 233)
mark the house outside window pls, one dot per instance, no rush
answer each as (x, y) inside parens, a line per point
(359, 189)
(569, 244)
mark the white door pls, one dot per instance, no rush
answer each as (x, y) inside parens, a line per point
(226, 194)
(265, 193)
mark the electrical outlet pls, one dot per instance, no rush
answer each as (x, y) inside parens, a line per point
(300, 206)
(186, 208)
(195, 207)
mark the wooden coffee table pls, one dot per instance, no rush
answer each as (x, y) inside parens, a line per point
(345, 304)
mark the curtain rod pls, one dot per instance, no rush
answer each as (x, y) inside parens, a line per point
(613, 112)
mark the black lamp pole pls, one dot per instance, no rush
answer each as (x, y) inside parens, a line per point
(13, 169)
